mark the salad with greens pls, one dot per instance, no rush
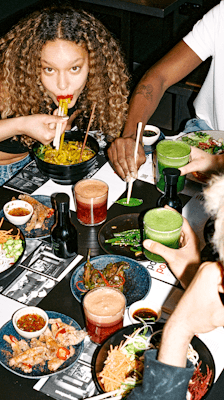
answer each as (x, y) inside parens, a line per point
(204, 141)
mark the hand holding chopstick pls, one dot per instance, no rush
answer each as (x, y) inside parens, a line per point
(130, 184)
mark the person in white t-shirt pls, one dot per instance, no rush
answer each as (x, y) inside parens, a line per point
(206, 39)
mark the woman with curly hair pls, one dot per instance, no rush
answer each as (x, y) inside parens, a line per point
(57, 52)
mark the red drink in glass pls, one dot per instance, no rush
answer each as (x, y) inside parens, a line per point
(104, 309)
(91, 201)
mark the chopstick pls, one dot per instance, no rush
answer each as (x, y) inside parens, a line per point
(56, 141)
(105, 395)
(87, 131)
(130, 184)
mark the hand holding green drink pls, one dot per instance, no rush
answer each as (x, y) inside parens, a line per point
(164, 226)
(171, 154)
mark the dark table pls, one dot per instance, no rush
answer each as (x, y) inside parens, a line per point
(60, 299)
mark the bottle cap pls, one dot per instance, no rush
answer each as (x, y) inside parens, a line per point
(62, 200)
(171, 175)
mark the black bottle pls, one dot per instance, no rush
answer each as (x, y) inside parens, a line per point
(63, 232)
(170, 196)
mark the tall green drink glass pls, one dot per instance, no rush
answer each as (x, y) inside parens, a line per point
(171, 154)
(163, 226)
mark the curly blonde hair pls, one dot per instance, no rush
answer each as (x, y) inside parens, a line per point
(22, 92)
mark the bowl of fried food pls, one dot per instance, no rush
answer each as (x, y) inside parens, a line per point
(30, 322)
(66, 166)
(18, 212)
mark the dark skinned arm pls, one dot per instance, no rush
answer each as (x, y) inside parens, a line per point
(173, 67)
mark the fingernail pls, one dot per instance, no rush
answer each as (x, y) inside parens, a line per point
(127, 178)
(147, 243)
(65, 118)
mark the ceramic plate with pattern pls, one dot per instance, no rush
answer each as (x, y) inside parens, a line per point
(38, 371)
(137, 278)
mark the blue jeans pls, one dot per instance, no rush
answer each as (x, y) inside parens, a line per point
(7, 171)
(196, 124)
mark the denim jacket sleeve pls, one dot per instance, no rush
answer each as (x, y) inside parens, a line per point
(162, 381)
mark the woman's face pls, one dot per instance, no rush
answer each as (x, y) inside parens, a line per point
(64, 69)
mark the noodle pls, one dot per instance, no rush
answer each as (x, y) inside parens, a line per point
(68, 155)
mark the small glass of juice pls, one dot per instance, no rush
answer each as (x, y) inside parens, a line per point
(163, 226)
(91, 201)
(171, 154)
(104, 309)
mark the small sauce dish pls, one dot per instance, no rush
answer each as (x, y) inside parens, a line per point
(148, 310)
(150, 135)
(30, 322)
(18, 212)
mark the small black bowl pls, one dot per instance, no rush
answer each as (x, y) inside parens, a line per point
(68, 174)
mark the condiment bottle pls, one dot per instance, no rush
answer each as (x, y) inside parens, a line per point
(170, 196)
(63, 232)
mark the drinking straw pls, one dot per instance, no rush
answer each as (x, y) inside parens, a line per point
(87, 131)
(130, 184)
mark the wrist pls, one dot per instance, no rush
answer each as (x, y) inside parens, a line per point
(20, 123)
(174, 345)
(128, 133)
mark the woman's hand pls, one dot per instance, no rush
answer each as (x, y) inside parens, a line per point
(41, 127)
(199, 310)
(184, 261)
(203, 162)
(121, 155)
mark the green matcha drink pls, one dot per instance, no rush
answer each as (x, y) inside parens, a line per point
(171, 154)
(163, 226)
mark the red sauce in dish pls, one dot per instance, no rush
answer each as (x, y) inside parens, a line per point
(31, 322)
(144, 313)
(19, 212)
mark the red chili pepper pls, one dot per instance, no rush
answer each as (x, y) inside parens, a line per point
(13, 338)
(69, 96)
(27, 365)
(50, 213)
(120, 284)
(103, 277)
(203, 145)
(63, 330)
(63, 353)
(108, 284)
(77, 285)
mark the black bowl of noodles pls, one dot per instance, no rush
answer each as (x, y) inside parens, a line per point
(67, 174)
